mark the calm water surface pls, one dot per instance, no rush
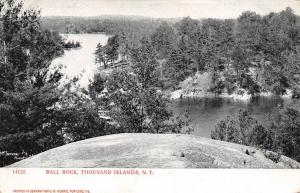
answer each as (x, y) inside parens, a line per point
(81, 61)
(205, 113)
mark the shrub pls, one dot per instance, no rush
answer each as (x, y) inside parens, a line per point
(286, 128)
(249, 84)
(226, 131)
(282, 137)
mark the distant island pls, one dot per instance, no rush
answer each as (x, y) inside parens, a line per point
(71, 44)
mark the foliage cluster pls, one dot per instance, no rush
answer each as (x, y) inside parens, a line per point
(133, 98)
(282, 136)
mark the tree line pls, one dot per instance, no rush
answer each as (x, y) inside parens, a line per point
(134, 27)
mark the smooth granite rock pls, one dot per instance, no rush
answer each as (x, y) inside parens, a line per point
(140, 150)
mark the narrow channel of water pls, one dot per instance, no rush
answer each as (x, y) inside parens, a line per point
(81, 61)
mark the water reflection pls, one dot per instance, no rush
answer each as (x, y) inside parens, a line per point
(206, 112)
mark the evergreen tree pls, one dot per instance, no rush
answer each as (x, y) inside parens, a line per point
(100, 55)
(136, 104)
(37, 112)
(164, 40)
(111, 48)
(282, 136)
(28, 89)
(180, 63)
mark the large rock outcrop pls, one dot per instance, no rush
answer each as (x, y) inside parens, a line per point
(156, 151)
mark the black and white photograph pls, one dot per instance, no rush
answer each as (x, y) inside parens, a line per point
(184, 84)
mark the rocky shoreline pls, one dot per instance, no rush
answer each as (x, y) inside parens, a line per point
(180, 94)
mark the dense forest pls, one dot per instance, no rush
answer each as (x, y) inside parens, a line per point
(145, 59)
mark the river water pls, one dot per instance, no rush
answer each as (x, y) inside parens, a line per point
(204, 113)
(81, 61)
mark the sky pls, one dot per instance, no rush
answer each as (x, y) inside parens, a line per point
(160, 8)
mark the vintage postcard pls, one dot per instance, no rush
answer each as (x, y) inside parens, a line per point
(105, 96)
